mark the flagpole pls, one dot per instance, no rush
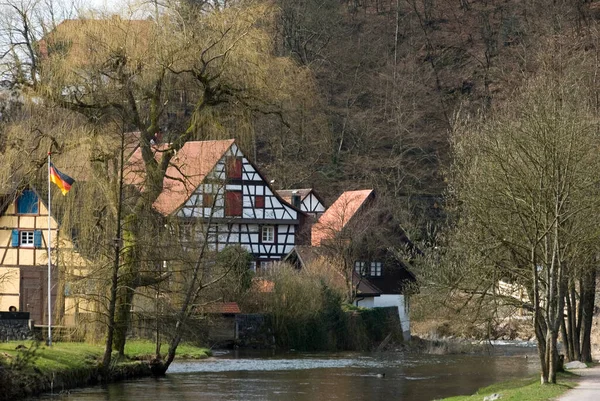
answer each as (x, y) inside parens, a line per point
(49, 260)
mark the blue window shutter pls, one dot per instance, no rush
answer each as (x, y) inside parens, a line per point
(37, 239)
(15, 238)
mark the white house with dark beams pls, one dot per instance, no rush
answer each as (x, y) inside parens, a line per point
(306, 199)
(214, 183)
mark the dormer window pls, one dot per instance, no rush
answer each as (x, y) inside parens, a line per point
(27, 203)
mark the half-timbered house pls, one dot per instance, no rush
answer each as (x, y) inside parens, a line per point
(214, 184)
(24, 257)
(305, 199)
(354, 235)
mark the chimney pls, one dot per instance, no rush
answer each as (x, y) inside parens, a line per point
(296, 201)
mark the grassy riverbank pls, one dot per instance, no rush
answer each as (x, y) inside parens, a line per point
(27, 368)
(528, 389)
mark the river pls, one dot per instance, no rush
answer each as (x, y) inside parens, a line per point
(293, 376)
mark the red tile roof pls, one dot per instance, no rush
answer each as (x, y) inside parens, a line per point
(338, 215)
(223, 308)
(187, 170)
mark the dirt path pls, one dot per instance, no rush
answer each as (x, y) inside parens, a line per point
(588, 388)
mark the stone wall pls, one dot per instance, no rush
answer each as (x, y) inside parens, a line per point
(15, 326)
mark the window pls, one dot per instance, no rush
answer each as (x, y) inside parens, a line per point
(208, 200)
(375, 269)
(233, 203)
(26, 238)
(267, 234)
(233, 167)
(359, 268)
(27, 203)
(259, 201)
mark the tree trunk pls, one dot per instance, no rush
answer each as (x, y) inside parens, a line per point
(552, 355)
(572, 309)
(588, 296)
(540, 335)
(127, 281)
(566, 340)
(114, 282)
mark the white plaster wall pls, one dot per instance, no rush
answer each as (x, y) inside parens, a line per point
(395, 300)
(365, 303)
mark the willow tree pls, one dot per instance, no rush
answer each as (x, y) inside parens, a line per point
(200, 76)
(526, 184)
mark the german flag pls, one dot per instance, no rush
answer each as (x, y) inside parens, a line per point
(61, 180)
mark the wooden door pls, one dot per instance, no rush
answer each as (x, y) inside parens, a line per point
(32, 293)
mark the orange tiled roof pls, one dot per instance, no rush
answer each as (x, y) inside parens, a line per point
(187, 170)
(338, 215)
(223, 308)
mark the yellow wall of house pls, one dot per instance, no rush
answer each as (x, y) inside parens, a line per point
(11, 258)
(9, 284)
(6, 301)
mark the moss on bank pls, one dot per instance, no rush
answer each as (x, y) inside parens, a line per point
(527, 389)
(28, 369)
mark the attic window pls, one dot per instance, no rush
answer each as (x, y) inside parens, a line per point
(259, 201)
(233, 203)
(360, 268)
(27, 203)
(208, 199)
(375, 269)
(233, 167)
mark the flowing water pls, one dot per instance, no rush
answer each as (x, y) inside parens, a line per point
(306, 377)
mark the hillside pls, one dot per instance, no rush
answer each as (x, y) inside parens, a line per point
(393, 77)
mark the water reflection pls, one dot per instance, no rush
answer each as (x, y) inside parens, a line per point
(308, 377)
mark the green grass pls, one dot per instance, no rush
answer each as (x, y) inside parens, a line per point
(61, 356)
(528, 389)
(73, 356)
(142, 348)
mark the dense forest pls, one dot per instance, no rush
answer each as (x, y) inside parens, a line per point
(392, 78)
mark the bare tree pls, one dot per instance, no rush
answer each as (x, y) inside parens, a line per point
(526, 185)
